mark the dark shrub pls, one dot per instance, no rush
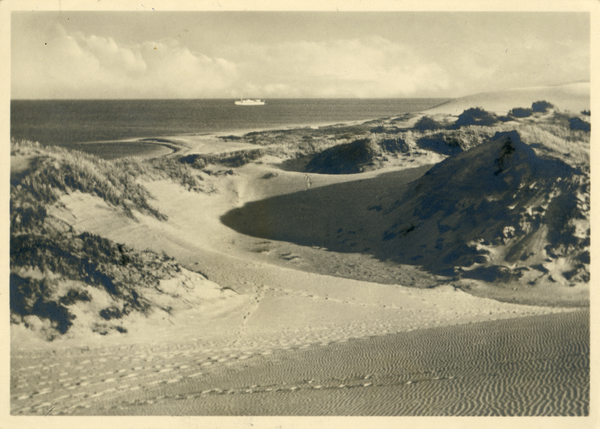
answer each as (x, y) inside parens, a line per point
(541, 106)
(494, 273)
(394, 145)
(384, 129)
(578, 124)
(378, 130)
(427, 123)
(32, 297)
(475, 116)
(346, 158)
(195, 160)
(73, 296)
(111, 313)
(519, 112)
(586, 112)
(439, 143)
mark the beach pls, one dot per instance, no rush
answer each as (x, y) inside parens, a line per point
(272, 311)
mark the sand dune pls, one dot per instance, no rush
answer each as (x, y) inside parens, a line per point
(455, 215)
(532, 366)
(279, 307)
(287, 305)
(573, 97)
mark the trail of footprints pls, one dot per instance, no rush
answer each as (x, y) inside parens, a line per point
(71, 381)
(123, 379)
(45, 383)
(304, 385)
(76, 382)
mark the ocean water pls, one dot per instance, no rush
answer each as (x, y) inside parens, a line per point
(82, 124)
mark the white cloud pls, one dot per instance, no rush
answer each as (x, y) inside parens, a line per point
(372, 67)
(92, 66)
(82, 66)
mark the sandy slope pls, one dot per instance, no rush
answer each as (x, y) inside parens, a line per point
(286, 296)
(573, 97)
(195, 236)
(278, 306)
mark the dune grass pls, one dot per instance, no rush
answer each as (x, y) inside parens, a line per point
(573, 146)
(46, 253)
(56, 170)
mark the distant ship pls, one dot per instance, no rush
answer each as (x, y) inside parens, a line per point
(250, 102)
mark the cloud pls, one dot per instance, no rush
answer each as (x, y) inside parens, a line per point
(509, 63)
(78, 65)
(90, 66)
(370, 67)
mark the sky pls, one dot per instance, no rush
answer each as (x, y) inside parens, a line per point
(155, 55)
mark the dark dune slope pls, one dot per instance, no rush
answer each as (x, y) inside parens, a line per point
(346, 158)
(496, 212)
(496, 203)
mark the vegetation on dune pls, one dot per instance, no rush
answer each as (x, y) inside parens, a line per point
(60, 256)
(472, 127)
(557, 140)
(293, 143)
(541, 106)
(500, 211)
(520, 112)
(346, 158)
(426, 123)
(394, 145)
(578, 124)
(441, 143)
(229, 159)
(475, 116)
(46, 253)
(57, 170)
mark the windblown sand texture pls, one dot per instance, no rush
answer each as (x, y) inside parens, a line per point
(531, 366)
(273, 296)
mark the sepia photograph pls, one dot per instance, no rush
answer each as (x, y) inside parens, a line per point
(298, 212)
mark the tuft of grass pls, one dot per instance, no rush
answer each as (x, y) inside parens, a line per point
(572, 146)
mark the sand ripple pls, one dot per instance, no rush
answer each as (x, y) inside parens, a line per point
(533, 366)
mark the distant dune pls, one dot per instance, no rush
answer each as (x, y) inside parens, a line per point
(574, 97)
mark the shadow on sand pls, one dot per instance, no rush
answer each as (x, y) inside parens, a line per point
(344, 217)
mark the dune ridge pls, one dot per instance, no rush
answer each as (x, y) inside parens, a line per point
(573, 97)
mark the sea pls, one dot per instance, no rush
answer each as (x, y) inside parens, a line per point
(106, 128)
